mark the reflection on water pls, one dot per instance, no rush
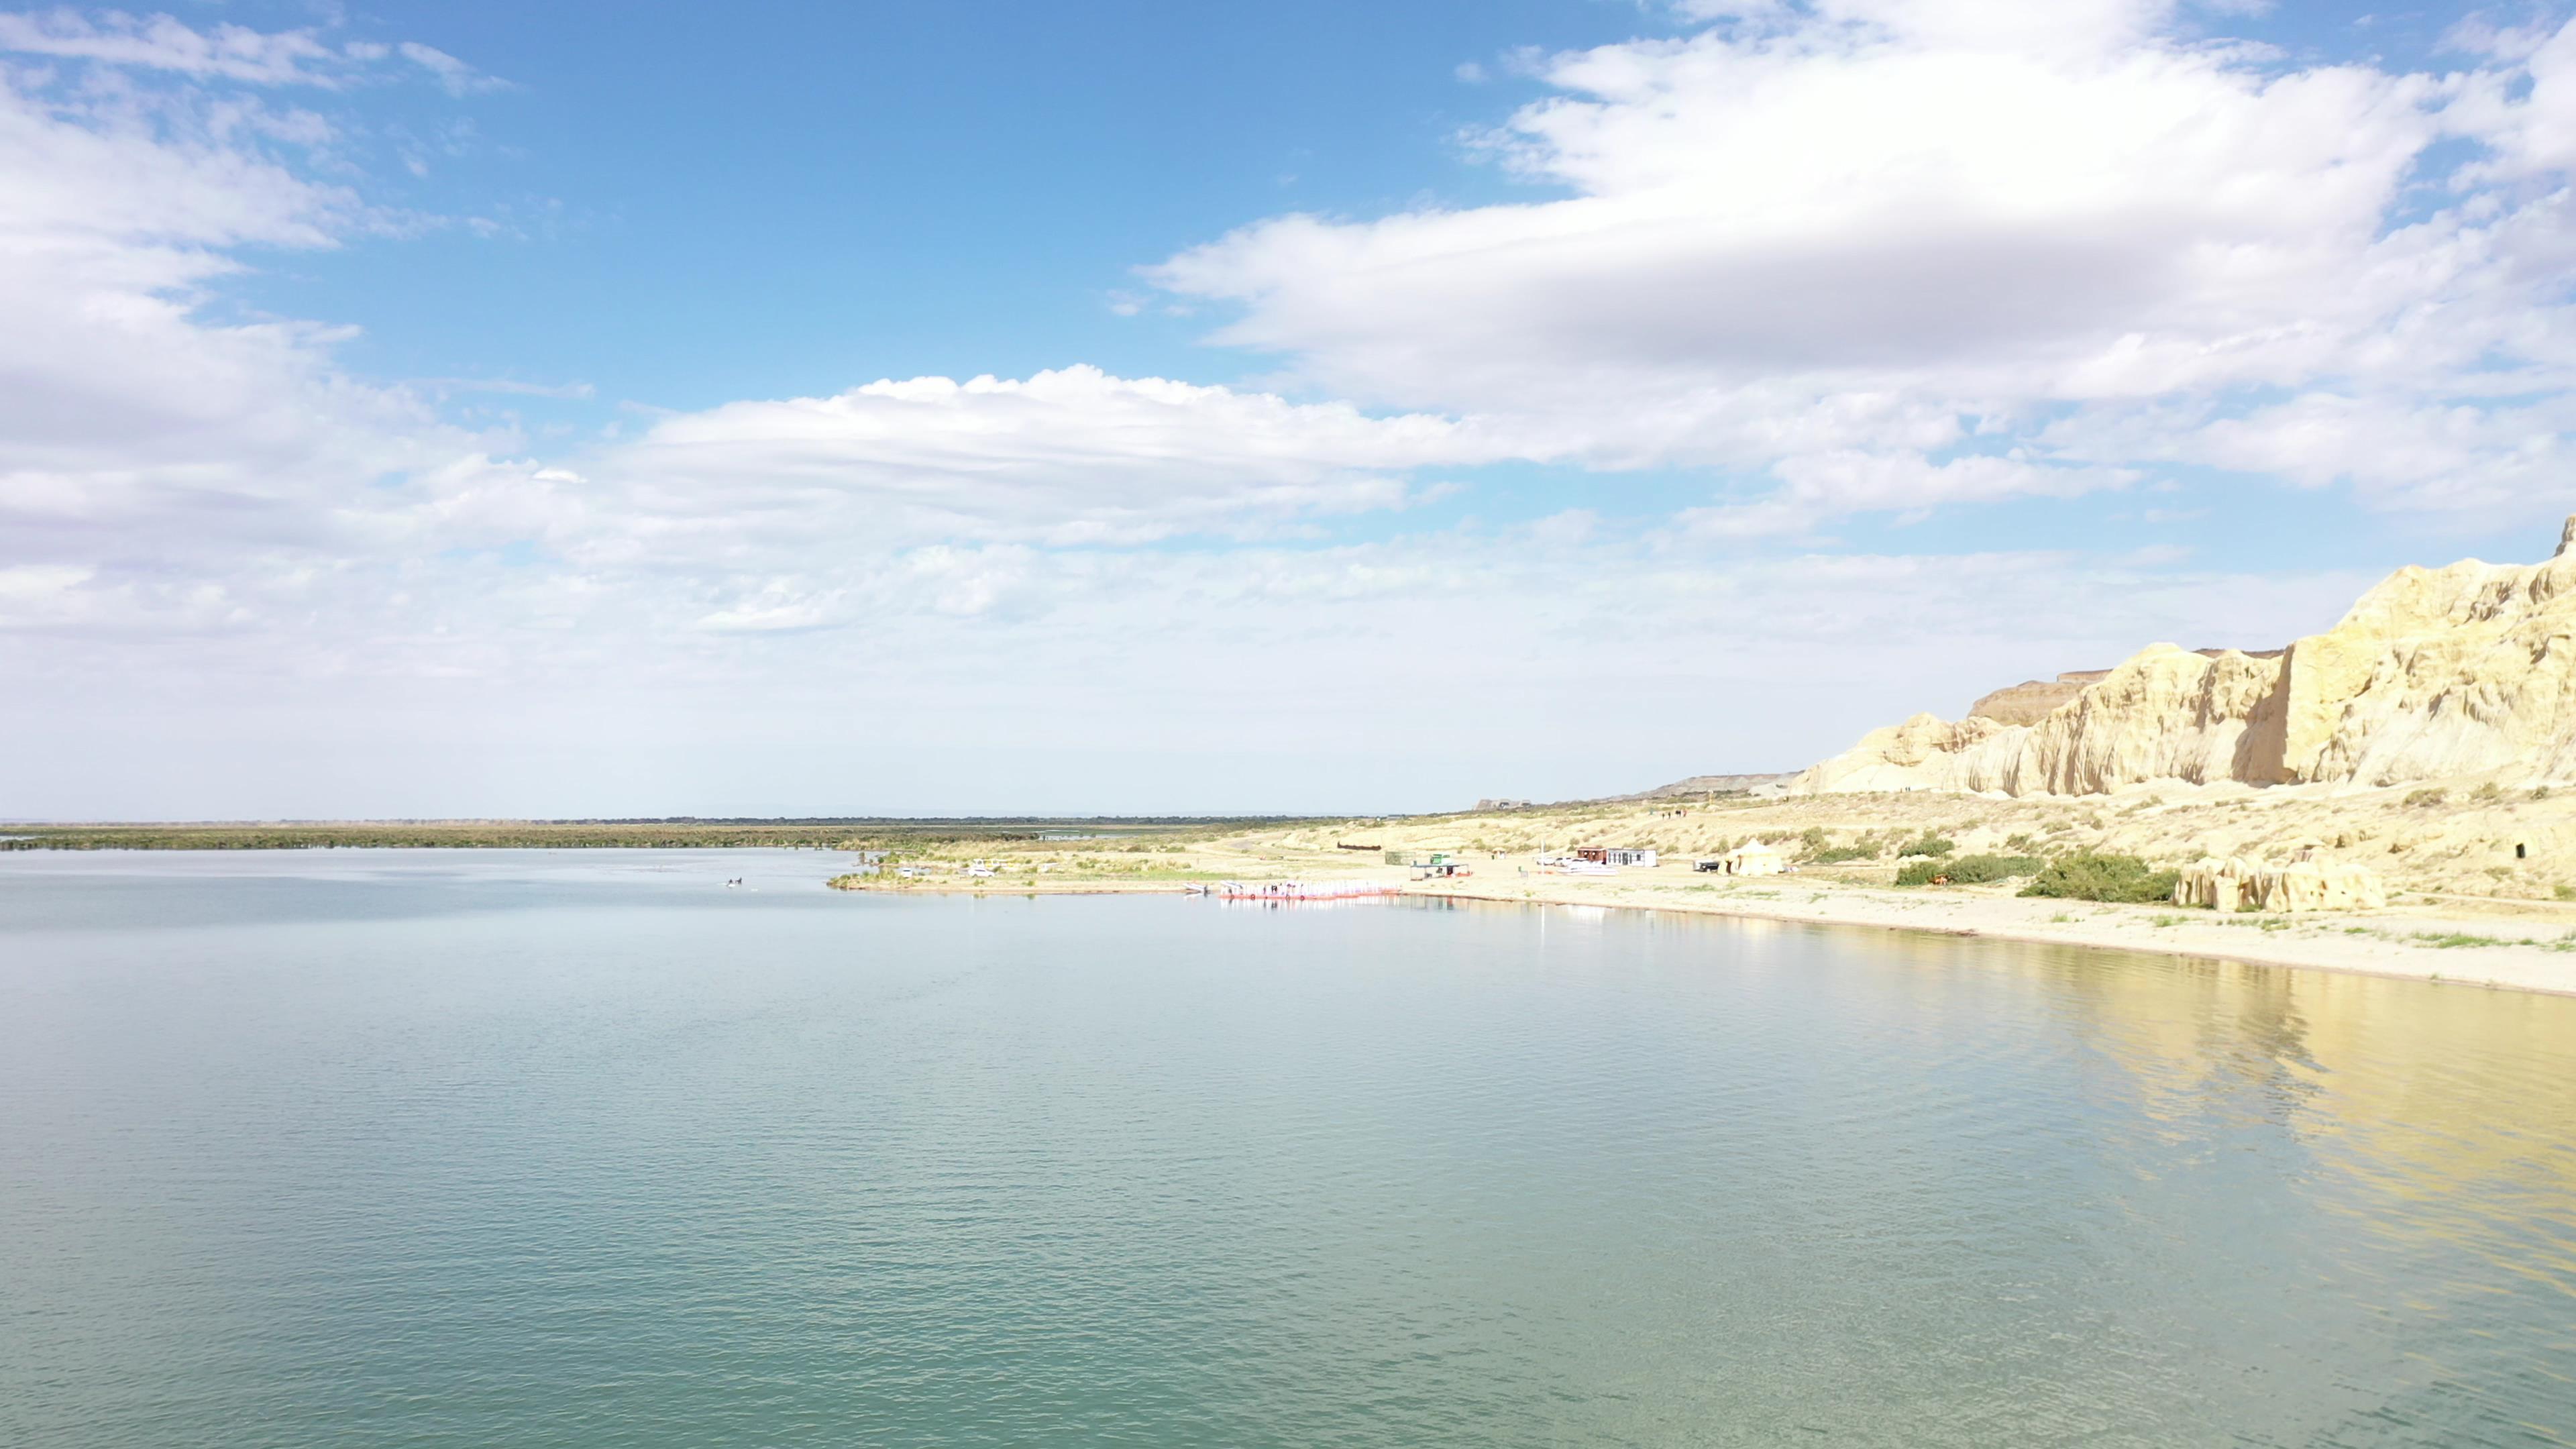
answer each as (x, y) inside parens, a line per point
(586, 1149)
(2437, 1113)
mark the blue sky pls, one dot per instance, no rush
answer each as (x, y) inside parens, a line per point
(941, 189)
(482, 409)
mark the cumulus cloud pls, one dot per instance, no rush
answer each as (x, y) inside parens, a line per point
(164, 456)
(110, 381)
(1850, 257)
(1875, 225)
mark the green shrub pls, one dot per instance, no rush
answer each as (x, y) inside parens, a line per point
(2427, 797)
(1980, 869)
(1970, 869)
(2019, 840)
(2087, 876)
(1928, 845)
(1833, 854)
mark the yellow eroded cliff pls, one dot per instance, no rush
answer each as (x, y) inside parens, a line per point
(2435, 674)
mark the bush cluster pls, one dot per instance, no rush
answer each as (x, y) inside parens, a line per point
(1935, 845)
(2087, 876)
(1834, 853)
(1971, 869)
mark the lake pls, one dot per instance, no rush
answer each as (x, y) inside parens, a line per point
(589, 1148)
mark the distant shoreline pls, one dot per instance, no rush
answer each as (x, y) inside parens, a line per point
(2392, 943)
(2519, 945)
(677, 833)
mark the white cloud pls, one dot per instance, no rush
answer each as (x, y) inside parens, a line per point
(1072, 456)
(1866, 226)
(2429, 454)
(572, 390)
(237, 53)
(1860, 258)
(160, 42)
(1821, 486)
(187, 460)
(458, 78)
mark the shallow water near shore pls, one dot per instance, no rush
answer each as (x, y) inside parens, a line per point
(588, 1148)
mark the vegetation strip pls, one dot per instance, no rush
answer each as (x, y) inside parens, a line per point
(670, 834)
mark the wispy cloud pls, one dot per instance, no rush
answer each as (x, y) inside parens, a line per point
(568, 390)
(459, 78)
(303, 57)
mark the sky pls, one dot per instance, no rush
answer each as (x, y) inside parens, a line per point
(485, 409)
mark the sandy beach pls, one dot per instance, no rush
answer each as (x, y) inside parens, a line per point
(2481, 950)
(2525, 946)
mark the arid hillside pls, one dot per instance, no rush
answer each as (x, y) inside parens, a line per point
(2463, 675)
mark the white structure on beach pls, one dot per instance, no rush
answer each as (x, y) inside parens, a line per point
(1751, 858)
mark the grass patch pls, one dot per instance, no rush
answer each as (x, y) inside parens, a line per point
(2456, 940)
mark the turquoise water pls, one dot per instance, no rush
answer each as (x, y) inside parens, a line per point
(583, 1148)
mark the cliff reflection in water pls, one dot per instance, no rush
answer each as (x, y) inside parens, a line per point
(2422, 1109)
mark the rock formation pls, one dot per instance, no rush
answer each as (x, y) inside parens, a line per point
(1699, 785)
(2434, 674)
(2030, 701)
(2303, 885)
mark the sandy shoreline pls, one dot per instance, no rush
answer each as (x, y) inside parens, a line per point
(2505, 952)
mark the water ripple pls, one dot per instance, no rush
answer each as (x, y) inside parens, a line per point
(562, 1152)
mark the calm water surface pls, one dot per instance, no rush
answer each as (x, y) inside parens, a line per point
(583, 1148)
